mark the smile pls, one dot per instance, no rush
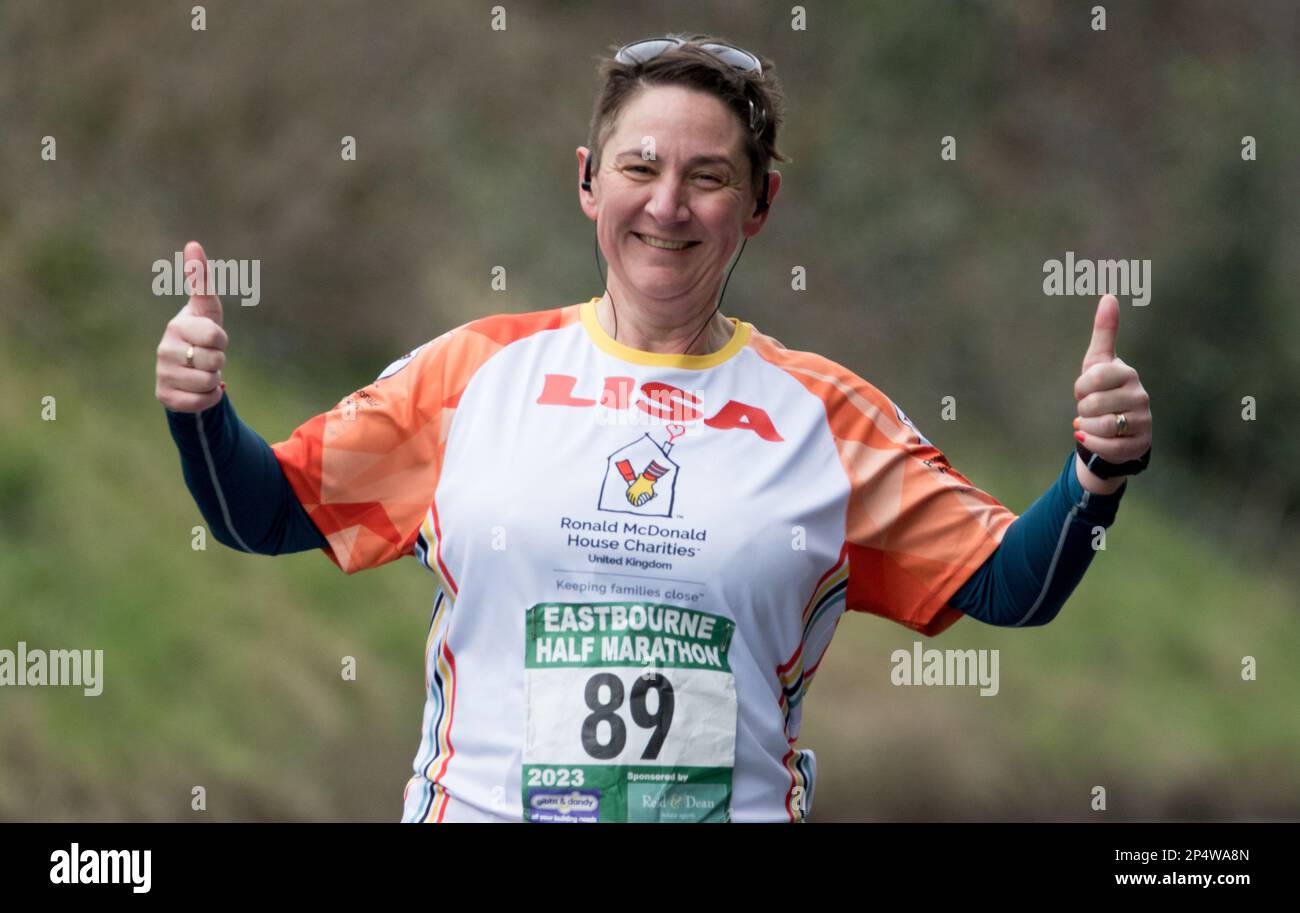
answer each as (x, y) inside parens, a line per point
(661, 244)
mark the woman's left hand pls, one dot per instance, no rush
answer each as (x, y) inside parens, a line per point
(1108, 387)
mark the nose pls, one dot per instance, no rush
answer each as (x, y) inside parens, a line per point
(668, 200)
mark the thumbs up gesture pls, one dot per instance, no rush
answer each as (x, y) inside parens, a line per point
(193, 348)
(1107, 389)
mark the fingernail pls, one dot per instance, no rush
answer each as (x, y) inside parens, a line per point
(1078, 436)
(1076, 423)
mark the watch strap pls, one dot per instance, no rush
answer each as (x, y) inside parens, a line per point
(1104, 470)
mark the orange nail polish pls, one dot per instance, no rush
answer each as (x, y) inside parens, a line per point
(1076, 423)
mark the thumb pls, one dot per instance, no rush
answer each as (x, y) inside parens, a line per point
(197, 273)
(1105, 326)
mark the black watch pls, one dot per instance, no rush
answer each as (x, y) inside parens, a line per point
(1103, 470)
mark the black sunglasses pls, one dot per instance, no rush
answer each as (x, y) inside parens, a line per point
(649, 48)
(638, 52)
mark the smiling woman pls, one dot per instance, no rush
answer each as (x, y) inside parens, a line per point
(776, 490)
(670, 216)
(692, 126)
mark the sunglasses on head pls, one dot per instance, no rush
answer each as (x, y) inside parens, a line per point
(649, 48)
(638, 52)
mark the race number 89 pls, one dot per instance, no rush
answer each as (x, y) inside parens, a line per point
(607, 711)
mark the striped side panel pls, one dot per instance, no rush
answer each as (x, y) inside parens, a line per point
(428, 550)
(440, 687)
(821, 615)
(801, 764)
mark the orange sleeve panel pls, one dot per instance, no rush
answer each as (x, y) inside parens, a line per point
(366, 470)
(915, 528)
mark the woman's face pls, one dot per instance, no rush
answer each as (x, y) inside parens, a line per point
(696, 188)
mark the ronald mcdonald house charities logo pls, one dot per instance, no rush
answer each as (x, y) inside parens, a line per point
(640, 477)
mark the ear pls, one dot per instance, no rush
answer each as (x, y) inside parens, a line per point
(754, 223)
(586, 198)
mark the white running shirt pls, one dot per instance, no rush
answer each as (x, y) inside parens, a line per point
(638, 560)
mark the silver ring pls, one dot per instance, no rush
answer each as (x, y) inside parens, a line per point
(189, 357)
(1121, 424)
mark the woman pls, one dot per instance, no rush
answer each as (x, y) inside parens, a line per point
(638, 494)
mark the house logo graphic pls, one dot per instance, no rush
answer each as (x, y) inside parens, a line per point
(640, 477)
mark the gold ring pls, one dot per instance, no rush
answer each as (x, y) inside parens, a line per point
(189, 357)
(1121, 424)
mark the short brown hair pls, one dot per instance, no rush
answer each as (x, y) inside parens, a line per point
(690, 66)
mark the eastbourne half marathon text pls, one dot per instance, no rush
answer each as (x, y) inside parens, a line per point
(626, 634)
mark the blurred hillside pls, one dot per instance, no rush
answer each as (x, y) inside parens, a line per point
(924, 276)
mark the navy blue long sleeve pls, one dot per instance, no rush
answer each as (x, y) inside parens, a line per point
(1042, 557)
(249, 505)
(238, 484)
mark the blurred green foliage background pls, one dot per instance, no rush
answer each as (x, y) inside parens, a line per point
(924, 276)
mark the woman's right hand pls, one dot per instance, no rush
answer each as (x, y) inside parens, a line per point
(181, 388)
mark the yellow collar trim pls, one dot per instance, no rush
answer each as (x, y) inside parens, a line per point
(738, 341)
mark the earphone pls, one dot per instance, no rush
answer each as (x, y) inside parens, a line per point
(762, 198)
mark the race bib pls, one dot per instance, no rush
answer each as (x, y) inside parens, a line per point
(631, 713)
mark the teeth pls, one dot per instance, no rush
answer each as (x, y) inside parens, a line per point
(665, 245)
